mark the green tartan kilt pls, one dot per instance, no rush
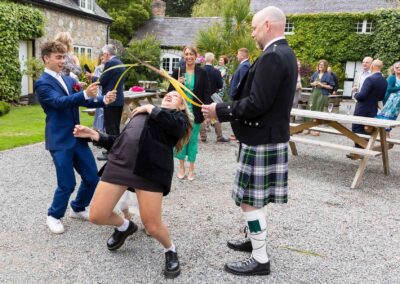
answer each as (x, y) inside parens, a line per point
(262, 175)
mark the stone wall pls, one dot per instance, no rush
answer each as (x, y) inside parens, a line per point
(85, 32)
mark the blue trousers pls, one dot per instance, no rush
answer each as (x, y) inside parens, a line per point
(80, 158)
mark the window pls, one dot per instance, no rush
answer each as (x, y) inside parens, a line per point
(169, 62)
(83, 51)
(87, 5)
(363, 27)
(289, 27)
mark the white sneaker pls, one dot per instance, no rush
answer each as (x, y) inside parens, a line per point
(55, 225)
(83, 215)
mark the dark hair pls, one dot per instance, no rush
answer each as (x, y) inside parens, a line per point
(226, 60)
(50, 47)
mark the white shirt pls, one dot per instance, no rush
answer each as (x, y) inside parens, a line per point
(272, 41)
(363, 76)
(243, 61)
(58, 77)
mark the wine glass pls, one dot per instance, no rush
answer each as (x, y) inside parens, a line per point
(330, 107)
(348, 109)
(310, 104)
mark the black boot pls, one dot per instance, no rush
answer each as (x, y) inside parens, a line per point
(172, 268)
(117, 239)
(248, 267)
(240, 245)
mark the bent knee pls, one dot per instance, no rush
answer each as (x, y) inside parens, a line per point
(97, 216)
(151, 227)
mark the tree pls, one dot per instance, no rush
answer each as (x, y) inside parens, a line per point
(128, 16)
(179, 8)
(209, 8)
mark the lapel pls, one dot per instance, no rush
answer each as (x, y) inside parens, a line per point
(55, 81)
(196, 77)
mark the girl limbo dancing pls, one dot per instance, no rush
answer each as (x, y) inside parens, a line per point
(141, 158)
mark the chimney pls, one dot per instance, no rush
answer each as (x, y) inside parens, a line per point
(158, 9)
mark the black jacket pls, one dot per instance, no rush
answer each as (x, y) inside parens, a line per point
(260, 111)
(162, 130)
(215, 80)
(201, 89)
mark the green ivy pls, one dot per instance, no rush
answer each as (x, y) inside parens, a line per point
(17, 22)
(333, 37)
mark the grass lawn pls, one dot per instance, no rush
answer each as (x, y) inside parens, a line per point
(24, 125)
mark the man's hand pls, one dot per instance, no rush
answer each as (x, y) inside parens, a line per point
(81, 131)
(209, 111)
(110, 97)
(89, 76)
(92, 90)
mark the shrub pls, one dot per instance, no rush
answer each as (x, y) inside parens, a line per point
(34, 67)
(4, 108)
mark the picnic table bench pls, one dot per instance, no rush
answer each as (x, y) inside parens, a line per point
(336, 121)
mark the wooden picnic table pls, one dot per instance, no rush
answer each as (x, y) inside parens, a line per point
(132, 100)
(336, 121)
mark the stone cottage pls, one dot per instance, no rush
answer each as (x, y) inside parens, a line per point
(88, 24)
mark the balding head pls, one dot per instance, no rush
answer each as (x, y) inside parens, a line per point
(268, 24)
(376, 65)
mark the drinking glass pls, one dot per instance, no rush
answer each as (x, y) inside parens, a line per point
(348, 109)
(310, 104)
(330, 107)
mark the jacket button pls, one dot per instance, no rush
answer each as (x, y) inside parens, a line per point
(256, 123)
(250, 123)
(229, 107)
(230, 114)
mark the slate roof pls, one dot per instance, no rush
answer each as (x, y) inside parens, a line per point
(175, 31)
(322, 6)
(71, 6)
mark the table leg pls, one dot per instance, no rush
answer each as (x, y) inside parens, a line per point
(364, 161)
(384, 148)
(293, 148)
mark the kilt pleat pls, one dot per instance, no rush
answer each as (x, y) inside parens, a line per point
(262, 175)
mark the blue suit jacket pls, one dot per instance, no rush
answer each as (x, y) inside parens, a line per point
(238, 76)
(109, 79)
(62, 110)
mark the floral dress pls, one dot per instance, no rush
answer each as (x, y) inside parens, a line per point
(391, 108)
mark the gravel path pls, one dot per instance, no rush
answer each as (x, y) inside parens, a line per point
(327, 233)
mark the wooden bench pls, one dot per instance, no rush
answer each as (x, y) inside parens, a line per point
(336, 132)
(347, 149)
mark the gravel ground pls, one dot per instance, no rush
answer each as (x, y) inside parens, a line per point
(327, 233)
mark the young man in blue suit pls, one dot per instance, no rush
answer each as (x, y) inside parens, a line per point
(60, 96)
(108, 80)
(244, 66)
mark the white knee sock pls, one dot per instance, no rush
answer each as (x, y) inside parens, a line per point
(172, 248)
(124, 226)
(258, 233)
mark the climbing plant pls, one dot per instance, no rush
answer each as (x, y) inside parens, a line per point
(17, 22)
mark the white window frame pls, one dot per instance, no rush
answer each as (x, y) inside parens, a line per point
(289, 28)
(171, 65)
(87, 5)
(80, 50)
(364, 27)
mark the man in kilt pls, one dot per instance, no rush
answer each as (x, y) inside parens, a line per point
(260, 115)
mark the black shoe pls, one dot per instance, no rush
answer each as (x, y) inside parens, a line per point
(172, 268)
(240, 245)
(223, 139)
(102, 157)
(117, 239)
(248, 267)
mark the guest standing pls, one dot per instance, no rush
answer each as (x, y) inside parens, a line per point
(195, 79)
(72, 67)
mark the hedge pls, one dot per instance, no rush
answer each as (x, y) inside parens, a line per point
(4, 108)
(17, 22)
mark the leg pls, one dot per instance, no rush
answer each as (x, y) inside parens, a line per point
(218, 132)
(192, 149)
(150, 213)
(65, 182)
(85, 165)
(384, 148)
(203, 132)
(191, 172)
(182, 170)
(112, 119)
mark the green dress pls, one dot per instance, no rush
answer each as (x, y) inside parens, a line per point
(190, 149)
(317, 100)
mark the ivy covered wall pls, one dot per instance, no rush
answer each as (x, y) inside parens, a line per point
(333, 37)
(17, 22)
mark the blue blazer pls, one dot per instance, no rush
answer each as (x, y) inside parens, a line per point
(109, 79)
(238, 76)
(373, 90)
(62, 110)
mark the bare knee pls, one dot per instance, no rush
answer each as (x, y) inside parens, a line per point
(98, 217)
(151, 226)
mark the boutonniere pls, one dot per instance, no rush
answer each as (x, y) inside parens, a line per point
(77, 87)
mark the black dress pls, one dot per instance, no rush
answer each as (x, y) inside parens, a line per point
(122, 159)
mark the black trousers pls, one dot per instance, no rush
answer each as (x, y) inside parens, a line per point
(112, 119)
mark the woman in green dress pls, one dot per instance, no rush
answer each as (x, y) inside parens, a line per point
(322, 82)
(195, 79)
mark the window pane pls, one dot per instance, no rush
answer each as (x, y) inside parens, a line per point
(368, 28)
(165, 63)
(359, 27)
(175, 63)
(82, 52)
(83, 3)
(76, 50)
(289, 27)
(89, 53)
(90, 4)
